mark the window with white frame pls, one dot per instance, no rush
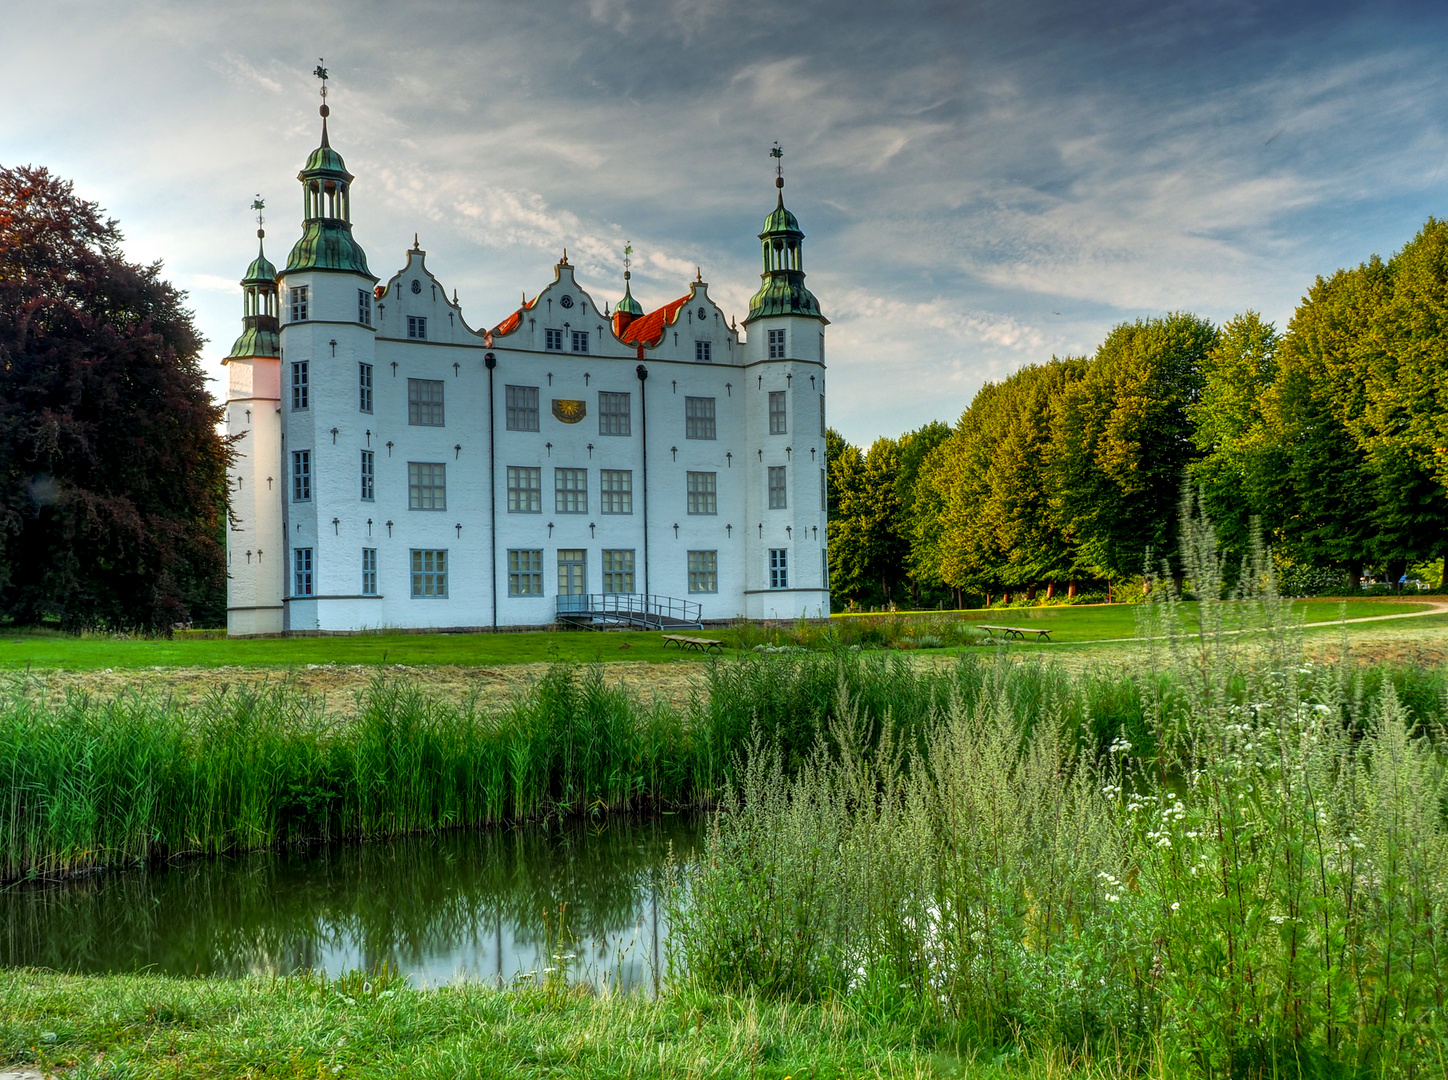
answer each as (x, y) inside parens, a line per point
(301, 475)
(369, 473)
(301, 571)
(779, 568)
(776, 344)
(525, 490)
(702, 492)
(301, 385)
(580, 341)
(615, 491)
(553, 340)
(525, 572)
(777, 495)
(364, 306)
(522, 404)
(618, 570)
(702, 351)
(424, 402)
(429, 574)
(570, 491)
(426, 485)
(369, 571)
(364, 387)
(613, 414)
(699, 418)
(417, 327)
(299, 295)
(777, 424)
(703, 571)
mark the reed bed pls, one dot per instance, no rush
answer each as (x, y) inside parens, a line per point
(1252, 882)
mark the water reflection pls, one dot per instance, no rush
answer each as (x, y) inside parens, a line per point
(475, 905)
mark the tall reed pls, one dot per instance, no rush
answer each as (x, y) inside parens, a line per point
(1252, 882)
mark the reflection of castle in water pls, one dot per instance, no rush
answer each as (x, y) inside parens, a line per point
(476, 905)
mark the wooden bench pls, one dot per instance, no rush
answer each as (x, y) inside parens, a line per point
(1017, 632)
(699, 644)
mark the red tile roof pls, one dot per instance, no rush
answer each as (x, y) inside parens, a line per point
(648, 330)
(513, 321)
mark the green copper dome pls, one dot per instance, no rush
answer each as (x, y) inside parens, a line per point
(783, 290)
(259, 335)
(628, 305)
(257, 341)
(327, 242)
(260, 270)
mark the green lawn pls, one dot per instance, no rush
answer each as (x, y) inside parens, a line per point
(26, 649)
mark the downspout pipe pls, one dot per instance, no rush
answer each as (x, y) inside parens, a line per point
(643, 374)
(491, 362)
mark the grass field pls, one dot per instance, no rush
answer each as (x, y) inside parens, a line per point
(1085, 625)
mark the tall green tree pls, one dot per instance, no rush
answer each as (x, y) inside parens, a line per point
(112, 474)
(1122, 441)
(867, 552)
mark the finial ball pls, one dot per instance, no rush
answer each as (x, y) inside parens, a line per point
(325, 111)
(779, 181)
(260, 233)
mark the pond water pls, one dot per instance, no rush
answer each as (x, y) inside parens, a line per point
(494, 905)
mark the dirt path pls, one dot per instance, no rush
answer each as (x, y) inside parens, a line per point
(1434, 607)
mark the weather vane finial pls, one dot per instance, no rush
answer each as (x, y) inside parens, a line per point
(321, 72)
(778, 154)
(627, 261)
(258, 205)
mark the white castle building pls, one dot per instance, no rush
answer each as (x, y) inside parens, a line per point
(397, 468)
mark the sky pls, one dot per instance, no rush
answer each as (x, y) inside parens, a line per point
(982, 184)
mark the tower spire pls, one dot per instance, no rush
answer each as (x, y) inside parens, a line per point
(627, 309)
(327, 242)
(321, 73)
(783, 291)
(259, 300)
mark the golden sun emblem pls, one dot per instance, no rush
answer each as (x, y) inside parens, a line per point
(569, 412)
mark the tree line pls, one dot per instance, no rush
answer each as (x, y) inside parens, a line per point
(1332, 434)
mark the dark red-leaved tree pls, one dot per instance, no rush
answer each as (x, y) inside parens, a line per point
(112, 473)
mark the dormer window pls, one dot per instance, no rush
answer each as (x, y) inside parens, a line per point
(417, 328)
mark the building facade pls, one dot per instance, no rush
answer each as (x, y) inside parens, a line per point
(397, 468)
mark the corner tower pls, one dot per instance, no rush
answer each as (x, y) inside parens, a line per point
(255, 555)
(787, 568)
(327, 351)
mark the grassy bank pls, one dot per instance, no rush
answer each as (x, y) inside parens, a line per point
(135, 1026)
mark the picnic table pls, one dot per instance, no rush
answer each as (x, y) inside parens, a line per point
(1017, 632)
(699, 644)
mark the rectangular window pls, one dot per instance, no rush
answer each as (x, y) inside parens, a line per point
(301, 475)
(369, 571)
(429, 574)
(364, 306)
(426, 485)
(703, 571)
(618, 571)
(299, 296)
(301, 388)
(822, 416)
(525, 490)
(777, 499)
(302, 571)
(553, 340)
(615, 487)
(699, 418)
(824, 493)
(613, 414)
(776, 344)
(522, 408)
(525, 572)
(822, 348)
(703, 492)
(570, 491)
(368, 473)
(776, 412)
(779, 568)
(580, 341)
(364, 387)
(701, 352)
(571, 580)
(824, 568)
(424, 402)
(417, 328)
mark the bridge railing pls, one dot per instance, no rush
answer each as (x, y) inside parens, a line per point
(650, 609)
